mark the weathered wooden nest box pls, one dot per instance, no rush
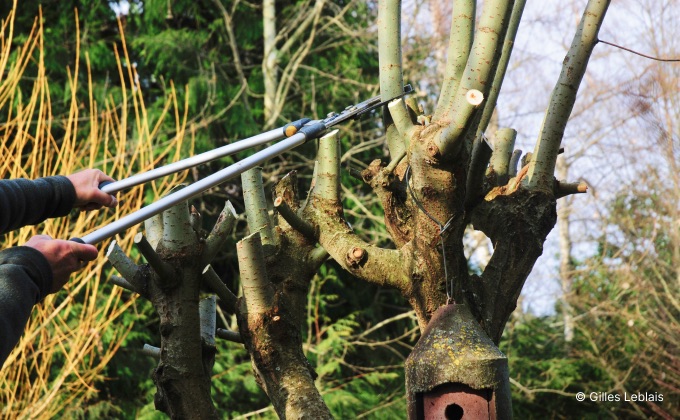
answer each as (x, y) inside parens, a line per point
(456, 372)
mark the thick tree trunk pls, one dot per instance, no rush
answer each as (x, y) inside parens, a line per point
(517, 223)
(274, 342)
(182, 376)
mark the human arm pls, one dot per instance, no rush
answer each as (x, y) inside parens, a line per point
(29, 202)
(28, 274)
(25, 276)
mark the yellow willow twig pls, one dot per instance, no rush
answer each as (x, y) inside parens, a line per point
(7, 26)
(63, 352)
(19, 65)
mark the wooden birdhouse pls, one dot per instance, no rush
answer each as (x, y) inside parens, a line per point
(455, 371)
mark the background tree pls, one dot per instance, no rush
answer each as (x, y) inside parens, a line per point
(632, 275)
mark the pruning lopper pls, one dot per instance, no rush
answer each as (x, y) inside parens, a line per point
(292, 135)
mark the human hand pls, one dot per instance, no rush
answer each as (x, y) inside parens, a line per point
(88, 194)
(64, 257)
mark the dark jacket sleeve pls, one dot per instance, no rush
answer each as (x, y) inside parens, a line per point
(25, 202)
(25, 279)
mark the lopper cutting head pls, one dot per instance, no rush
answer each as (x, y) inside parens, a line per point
(355, 111)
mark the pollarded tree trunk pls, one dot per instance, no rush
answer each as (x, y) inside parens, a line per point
(444, 175)
(277, 265)
(172, 280)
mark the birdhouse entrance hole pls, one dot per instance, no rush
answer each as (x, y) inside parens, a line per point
(454, 412)
(455, 402)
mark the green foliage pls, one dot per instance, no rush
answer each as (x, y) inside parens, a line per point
(373, 395)
(541, 362)
(626, 333)
(234, 388)
(97, 27)
(128, 383)
(102, 409)
(359, 374)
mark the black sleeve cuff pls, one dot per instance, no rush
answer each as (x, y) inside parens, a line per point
(34, 263)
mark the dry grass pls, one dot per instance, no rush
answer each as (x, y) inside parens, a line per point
(62, 352)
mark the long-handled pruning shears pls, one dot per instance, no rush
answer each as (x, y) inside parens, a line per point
(293, 134)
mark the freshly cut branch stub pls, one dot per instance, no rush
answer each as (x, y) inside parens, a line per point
(474, 97)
